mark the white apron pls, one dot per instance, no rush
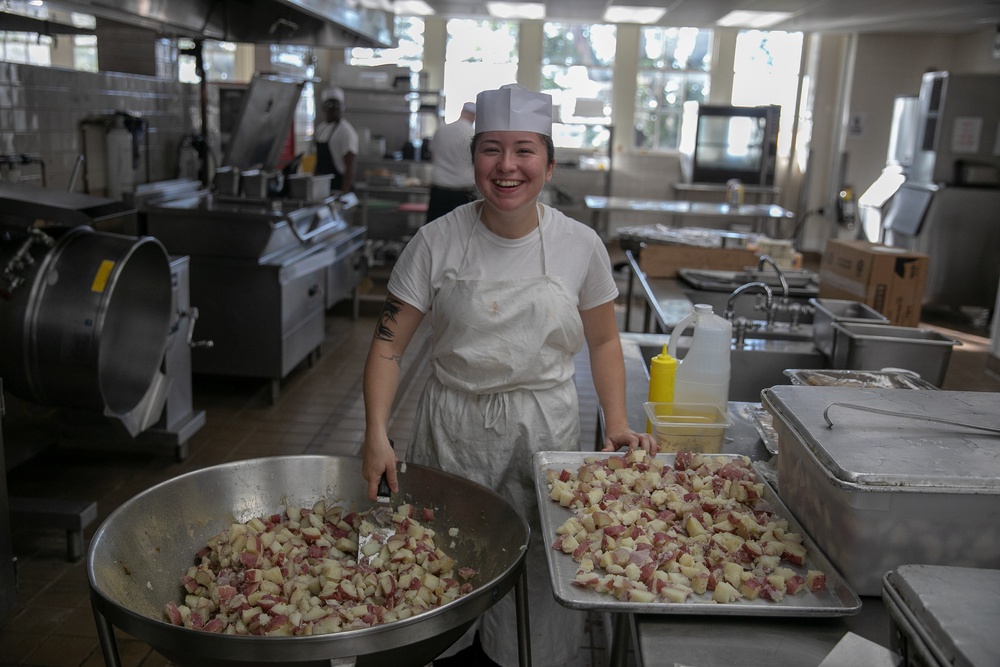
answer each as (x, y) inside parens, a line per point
(502, 389)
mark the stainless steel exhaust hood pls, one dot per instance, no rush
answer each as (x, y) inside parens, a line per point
(326, 23)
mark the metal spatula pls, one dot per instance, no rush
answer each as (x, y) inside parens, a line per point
(377, 525)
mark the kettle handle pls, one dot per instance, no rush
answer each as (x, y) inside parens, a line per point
(678, 331)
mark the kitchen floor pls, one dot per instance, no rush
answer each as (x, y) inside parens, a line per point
(319, 411)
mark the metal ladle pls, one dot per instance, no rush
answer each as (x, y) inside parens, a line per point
(909, 415)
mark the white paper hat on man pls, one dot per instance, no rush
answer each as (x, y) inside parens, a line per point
(514, 108)
(332, 93)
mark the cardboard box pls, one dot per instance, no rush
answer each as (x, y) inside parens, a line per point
(662, 261)
(890, 280)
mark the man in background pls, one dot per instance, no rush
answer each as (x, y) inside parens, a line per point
(336, 142)
(453, 182)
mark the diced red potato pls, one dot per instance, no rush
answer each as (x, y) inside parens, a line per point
(646, 532)
(296, 575)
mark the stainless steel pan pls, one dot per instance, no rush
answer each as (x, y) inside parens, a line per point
(140, 551)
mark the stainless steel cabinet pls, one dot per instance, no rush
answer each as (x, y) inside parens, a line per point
(262, 278)
(263, 319)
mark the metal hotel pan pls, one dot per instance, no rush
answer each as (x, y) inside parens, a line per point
(141, 550)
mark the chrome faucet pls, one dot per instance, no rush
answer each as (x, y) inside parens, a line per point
(757, 285)
(766, 259)
(742, 325)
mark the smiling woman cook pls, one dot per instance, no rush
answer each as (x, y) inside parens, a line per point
(513, 289)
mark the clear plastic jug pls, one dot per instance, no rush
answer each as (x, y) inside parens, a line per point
(703, 373)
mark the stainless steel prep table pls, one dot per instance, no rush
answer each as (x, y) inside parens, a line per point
(762, 194)
(600, 206)
(662, 297)
(367, 190)
(709, 642)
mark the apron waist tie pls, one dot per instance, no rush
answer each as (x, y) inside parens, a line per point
(495, 411)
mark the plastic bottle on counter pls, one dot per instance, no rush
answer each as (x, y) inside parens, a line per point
(734, 192)
(703, 374)
(662, 372)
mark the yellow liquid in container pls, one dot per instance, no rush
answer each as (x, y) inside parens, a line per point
(688, 427)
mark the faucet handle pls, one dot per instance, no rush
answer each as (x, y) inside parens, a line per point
(741, 327)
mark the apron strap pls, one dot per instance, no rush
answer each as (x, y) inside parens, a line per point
(495, 412)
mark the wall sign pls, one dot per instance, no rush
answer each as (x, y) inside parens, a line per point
(965, 134)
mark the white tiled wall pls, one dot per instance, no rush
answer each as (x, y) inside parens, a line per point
(41, 109)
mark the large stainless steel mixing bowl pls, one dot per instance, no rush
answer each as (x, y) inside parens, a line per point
(138, 554)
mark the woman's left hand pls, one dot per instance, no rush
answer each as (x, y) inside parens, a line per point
(630, 439)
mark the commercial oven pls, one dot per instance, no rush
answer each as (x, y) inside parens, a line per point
(730, 142)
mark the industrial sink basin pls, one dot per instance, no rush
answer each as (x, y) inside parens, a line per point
(745, 306)
(800, 282)
(754, 366)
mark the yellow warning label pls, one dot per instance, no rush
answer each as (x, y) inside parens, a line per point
(101, 278)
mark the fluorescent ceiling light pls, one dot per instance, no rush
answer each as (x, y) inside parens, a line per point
(516, 10)
(413, 8)
(625, 14)
(744, 19)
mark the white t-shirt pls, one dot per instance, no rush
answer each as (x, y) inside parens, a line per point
(573, 252)
(451, 155)
(342, 139)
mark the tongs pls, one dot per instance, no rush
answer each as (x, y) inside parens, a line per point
(908, 415)
(377, 525)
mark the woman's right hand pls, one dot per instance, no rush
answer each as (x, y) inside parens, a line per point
(379, 457)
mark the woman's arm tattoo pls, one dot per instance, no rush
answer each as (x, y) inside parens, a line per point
(387, 318)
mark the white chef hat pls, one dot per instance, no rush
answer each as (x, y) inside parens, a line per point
(332, 93)
(514, 108)
(469, 107)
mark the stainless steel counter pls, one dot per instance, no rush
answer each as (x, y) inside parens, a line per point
(755, 213)
(398, 194)
(663, 299)
(752, 642)
(705, 641)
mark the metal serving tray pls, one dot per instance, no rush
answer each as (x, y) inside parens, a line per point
(859, 346)
(837, 600)
(829, 311)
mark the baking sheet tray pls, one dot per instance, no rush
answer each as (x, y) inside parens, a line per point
(837, 600)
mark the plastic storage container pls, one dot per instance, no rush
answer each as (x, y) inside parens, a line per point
(878, 491)
(703, 373)
(873, 347)
(943, 616)
(828, 311)
(309, 187)
(688, 427)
